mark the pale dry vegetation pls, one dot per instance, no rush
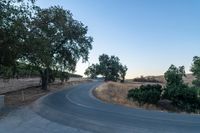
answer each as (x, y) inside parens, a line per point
(188, 79)
(116, 93)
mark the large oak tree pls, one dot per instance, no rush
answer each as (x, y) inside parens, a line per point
(50, 39)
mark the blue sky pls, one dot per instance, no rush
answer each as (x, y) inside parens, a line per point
(147, 35)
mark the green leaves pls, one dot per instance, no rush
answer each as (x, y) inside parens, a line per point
(92, 71)
(182, 96)
(109, 67)
(47, 38)
(63, 40)
(196, 70)
(14, 21)
(174, 75)
(146, 94)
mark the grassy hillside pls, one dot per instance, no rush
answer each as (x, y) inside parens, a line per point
(188, 79)
(160, 79)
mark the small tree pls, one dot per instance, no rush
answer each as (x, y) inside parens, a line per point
(122, 72)
(92, 71)
(174, 76)
(196, 70)
(181, 95)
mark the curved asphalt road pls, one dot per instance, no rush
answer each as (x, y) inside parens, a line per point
(77, 107)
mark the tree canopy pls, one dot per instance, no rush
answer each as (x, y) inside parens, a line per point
(174, 76)
(109, 67)
(49, 38)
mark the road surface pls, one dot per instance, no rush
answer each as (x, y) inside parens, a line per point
(78, 108)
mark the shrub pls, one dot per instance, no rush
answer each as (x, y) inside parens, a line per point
(184, 97)
(146, 94)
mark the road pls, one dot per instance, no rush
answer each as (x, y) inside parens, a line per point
(78, 108)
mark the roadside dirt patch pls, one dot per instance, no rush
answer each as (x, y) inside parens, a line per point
(116, 93)
(30, 94)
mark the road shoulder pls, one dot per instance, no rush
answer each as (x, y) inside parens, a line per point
(24, 119)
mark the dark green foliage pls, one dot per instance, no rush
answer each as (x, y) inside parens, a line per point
(92, 71)
(48, 39)
(64, 76)
(196, 70)
(58, 40)
(25, 70)
(5, 72)
(146, 94)
(174, 76)
(14, 18)
(182, 96)
(109, 67)
(122, 72)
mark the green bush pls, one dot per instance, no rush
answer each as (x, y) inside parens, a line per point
(146, 94)
(184, 97)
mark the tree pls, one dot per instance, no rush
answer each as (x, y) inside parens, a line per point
(122, 72)
(109, 67)
(182, 96)
(56, 40)
(196, 70)
(47, 39)
(174, 76)
(92, 71)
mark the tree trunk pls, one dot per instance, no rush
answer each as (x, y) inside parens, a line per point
(123, 79)
(44, 77)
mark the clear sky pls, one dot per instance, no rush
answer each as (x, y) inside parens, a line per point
(147, 35)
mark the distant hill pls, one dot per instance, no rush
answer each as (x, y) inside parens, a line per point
(160, 79)
(188, 79)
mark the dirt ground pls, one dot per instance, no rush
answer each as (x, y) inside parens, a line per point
(116, 93)
(30, 94)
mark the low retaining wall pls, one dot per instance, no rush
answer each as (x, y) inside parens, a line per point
(1, 101)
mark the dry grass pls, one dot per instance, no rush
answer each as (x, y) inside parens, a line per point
(188, 79)
(117, 93)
